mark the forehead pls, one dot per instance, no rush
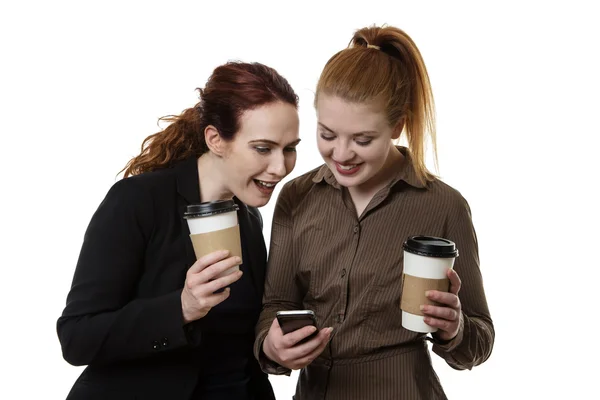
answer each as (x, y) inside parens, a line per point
(271, 121)
(344, 117)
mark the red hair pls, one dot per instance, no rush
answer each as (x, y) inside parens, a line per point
(232, 89)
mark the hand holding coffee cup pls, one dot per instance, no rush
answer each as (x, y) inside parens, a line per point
(447, 314)
(430, 287)
(203, 279)
(214, 226)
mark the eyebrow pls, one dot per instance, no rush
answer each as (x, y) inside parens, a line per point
(354, 134)
(294, 143)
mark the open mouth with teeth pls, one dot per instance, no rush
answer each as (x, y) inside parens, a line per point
(265, 187)
(347, 169)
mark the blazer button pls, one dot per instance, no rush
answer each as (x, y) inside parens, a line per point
(165, 342)
(156, 345)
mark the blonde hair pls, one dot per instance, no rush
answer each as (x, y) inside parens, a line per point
(383, 64)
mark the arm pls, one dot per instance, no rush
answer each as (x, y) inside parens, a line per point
(281, 290)
(475, 339)
(103, 322)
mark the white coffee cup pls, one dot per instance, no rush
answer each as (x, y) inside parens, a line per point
(214, 226)
(427, 260)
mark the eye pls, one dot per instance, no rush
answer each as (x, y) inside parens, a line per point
(262, 149)
(326, 137)
(363, 142)
(290, 149)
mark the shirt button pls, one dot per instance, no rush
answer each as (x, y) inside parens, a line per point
(340, 318)
(343, 272)
(355, 229)
(156, 345)
(165, 342)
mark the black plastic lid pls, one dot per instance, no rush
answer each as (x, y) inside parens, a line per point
(210, 208)
(430, 246)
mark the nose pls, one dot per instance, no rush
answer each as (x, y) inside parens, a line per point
(342, 153)
(277, 166)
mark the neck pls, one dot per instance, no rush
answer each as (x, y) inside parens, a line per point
(210, 174)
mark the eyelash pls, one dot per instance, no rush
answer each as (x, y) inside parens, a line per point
(330, 138)
(267, 150)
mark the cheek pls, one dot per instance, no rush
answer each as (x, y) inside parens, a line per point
(324, 147)
(290, 162)
(375, 154)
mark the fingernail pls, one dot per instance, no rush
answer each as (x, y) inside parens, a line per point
(422, 307)
(428, 293)
(329, 330)
(238, 260)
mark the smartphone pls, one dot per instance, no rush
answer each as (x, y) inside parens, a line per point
(290, 321)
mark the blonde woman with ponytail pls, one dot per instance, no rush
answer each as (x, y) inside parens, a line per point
(336, 244)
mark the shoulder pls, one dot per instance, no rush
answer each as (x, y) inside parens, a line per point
(447, 197)
(141, 192)
(297, 188)
(154, 184)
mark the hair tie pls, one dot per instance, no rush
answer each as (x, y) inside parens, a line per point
(372, 46)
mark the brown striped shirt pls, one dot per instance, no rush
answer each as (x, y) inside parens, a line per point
(348, 269)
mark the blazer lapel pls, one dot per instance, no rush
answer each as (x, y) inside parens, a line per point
(188, 187)
(255, 250)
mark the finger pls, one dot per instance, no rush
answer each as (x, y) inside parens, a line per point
(312, 352)
(446, 313)
(207, 260)
(217, 268)
(292, 338)
(275, 325)
(455, 282)
(442, 324)
(449, 299)
(217, 298)
(216, 284)
(275, 330)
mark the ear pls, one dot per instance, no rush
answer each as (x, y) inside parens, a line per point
(398, 129)
(214, 141)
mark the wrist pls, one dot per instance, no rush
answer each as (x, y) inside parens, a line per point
(184, 310)
(266, 349)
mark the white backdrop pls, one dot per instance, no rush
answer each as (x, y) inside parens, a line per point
(516, 88)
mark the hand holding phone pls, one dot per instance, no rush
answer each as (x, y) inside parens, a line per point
(290, 321)
(301, 344)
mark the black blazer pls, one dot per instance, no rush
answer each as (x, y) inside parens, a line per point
(123, 315)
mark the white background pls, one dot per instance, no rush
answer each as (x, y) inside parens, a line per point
(516, 87)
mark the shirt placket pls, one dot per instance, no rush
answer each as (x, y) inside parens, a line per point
(348, 264)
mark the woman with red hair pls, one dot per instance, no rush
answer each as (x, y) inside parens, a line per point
(148, 319)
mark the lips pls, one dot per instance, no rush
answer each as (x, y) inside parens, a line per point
(347, 169)
(265, 186)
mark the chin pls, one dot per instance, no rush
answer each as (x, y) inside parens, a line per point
(253, 201)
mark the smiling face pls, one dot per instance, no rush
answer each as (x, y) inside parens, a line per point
(262, 152)
(354, 140)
